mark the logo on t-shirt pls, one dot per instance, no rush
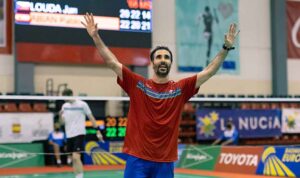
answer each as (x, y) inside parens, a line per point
(159, 95)
(148, 86)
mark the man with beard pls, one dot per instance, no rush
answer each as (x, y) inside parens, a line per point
(155, 106)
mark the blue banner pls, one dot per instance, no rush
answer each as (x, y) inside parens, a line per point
(200, 29)
(280, 161)
(108, 153)
(249, 123)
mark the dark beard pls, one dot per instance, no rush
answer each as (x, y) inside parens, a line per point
(162, 74)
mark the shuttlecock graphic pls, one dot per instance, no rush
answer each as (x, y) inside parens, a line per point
(273, 166)
(100, 156)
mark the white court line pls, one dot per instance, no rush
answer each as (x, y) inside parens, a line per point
(66, 174)
(117, 98)
(188, 176)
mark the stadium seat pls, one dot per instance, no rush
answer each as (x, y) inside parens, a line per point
(255, 105)
(275, 106)
(25, 107)
(189, 108)
(245, 105)
(10, 107)
(40, 107)
(265, 105)
(231, 96)
(211, 95)
(284, 105)
(294, 105)
(201, 95)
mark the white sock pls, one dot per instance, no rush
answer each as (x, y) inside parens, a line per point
(69, 160)
(58, 161)
(80, 175)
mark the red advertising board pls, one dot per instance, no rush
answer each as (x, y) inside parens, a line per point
(293, 30)
(239, 159)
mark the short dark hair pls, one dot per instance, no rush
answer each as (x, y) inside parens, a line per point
(160, 48)
(207, 8)
(229, 124)
(67, 92)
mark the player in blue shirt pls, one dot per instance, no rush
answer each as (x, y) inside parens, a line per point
(230, 135)
(57, 140)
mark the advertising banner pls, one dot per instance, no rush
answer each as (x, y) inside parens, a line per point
(280, 161)
(25, 127)
(239, 159)
(108, 153)
(200, 29)
(293, 28)
(50, 31)
(249, 123)
(290, 120)
(199, 157)
(2, 23)
(21, 155)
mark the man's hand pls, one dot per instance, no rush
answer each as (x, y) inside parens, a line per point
(90, 25)
(231, 35)
(100, 137)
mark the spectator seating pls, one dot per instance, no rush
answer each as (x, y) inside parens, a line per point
(25, 107)
(40, 107)
(10, 107)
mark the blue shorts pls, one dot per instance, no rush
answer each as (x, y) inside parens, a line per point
(140, 168)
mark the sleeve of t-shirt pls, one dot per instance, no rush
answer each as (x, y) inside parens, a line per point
(188, 87)
(86, 109)
(130, 80)
(63, 109)
(50, 138)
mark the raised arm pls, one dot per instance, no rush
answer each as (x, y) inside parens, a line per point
(109, 58)
(61, 118)
(214, 66)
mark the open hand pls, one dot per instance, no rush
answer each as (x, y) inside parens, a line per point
(90, 25)
(231, 35)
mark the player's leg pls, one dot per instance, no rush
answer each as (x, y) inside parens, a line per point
(76, 156)
(77, 165)
(208, 37)
(56, 150)
(210, 40)
(69, 156)
(75, 146)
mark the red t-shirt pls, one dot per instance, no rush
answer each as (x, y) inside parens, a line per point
(154, 115)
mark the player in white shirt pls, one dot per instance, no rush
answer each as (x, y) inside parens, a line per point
(73, 114)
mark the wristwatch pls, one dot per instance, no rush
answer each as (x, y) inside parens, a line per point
(226, 48)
